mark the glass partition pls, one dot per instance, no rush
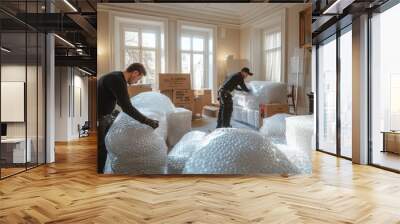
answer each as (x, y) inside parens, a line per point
(385, 89)
(22, 78)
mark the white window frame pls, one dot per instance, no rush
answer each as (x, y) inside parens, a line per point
(203, 30)
(140, 29)
(120, 20)
(265, 52)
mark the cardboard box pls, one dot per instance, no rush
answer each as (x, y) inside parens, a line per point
(169, 81)
(168, 93)
(183, 97)
(198, 106)
(133, 90)
(210, 111)
(207, 96)
(267, 110)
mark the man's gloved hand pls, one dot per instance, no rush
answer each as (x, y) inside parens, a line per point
(152, 123)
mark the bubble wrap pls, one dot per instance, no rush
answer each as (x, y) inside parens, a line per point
(299, 132)
(297, 157)
(153, 101)
(237, 151)
(179, 123)
(245, 115)
(162, 129)
(182, 151)
(262, 92)
(134, 148)
(275, 126)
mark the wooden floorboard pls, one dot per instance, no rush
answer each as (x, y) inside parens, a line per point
(70, 191)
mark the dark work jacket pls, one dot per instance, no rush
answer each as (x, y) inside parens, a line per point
(112, 89)
(233, 81)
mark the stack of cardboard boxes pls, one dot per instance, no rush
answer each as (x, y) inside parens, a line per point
(134, 90)
(177, 87)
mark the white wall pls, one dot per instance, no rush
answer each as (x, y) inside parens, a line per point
(67, 115)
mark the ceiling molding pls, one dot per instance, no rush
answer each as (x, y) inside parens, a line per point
(171, 13)
(214, 13)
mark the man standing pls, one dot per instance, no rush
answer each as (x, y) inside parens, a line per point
(225, 96)
(112, 89)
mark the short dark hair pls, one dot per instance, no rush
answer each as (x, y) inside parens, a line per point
(136, 67)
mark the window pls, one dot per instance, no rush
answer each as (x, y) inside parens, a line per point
(141, 46)
(272, 56)
(196, 55)
(326, 96)
(385, 88)
(346, 93)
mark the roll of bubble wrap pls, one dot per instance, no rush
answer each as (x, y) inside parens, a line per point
(133, 148)
(299, 132)
(182, 151)
(179, 123)
(237, 151)
(153, 101)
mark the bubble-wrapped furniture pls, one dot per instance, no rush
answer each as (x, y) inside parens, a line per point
(174, 122)
(299, 132)
(246, 105)
(274, 127)
(237, 151)
(134, 148)
(183, 150)
(179, 123)
(262, 92)
(153, 101)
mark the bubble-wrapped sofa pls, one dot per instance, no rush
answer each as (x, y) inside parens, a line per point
(246, 105)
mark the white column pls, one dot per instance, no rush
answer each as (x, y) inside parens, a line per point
(360, 90)
(50, 94)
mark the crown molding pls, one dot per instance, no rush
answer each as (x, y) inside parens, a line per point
(171, 12)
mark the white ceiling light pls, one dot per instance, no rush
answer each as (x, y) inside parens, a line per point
(65, 41)
(70, 5)
(5, 50)
(338, 6)
(86, 72)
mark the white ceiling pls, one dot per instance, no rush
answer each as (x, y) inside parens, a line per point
(234, 9)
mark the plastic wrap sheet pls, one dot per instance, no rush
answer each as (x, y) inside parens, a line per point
(275, 126)
(299, 132)
(237, 151)
(179, 123)
(182, 151)
(133, 148)
(153, 101)
(246, 115)
(262, 92)
(161, 117)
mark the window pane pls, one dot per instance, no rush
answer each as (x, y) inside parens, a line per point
(131, 38)
(149, 40)
(149, 62)
(185, 62)
(346, 94)
(385, 87)
(131, 56)
(198, 71)
(327, 97)
(198, 44)
(185, 43)
(272, 40)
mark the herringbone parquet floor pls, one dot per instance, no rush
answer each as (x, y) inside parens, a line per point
(70, 191)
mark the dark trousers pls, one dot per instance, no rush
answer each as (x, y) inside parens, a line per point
(225, 109)
(105, 123)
